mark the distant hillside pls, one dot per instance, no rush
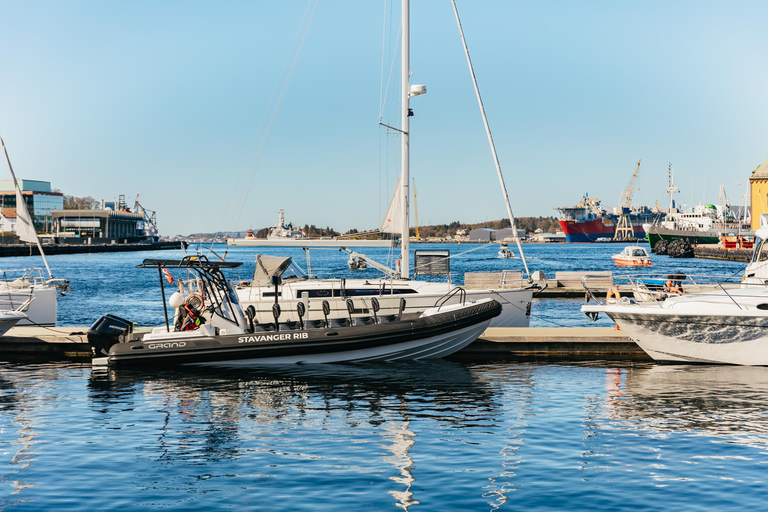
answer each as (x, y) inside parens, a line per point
(529, 224)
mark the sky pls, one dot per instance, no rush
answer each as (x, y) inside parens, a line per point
(218, 114)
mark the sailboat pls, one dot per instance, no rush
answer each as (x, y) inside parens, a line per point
(28, 290)
(271, 279)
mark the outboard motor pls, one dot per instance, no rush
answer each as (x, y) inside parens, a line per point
(107, 331)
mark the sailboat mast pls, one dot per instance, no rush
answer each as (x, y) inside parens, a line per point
(490, 141)
(404, 126)
(25, 228)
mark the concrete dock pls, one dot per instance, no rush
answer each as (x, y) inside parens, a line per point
(578, 343)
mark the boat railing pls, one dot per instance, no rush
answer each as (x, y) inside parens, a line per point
(511, 277)
(448, 296)
(658, 287)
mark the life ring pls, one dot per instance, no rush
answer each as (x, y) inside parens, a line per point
(195, 300)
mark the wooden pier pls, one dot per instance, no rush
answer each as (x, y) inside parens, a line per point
(577, 343)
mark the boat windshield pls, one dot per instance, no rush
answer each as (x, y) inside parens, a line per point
(761, 250)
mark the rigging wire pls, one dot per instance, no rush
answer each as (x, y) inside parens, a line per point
(273, 107)
(383, 97)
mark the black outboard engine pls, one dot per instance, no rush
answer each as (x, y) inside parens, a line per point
(107, 331)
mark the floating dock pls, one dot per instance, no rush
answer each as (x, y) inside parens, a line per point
(576, 343)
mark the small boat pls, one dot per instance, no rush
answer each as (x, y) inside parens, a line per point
(632, 256)
(505, 252)
(16, 286)
(356, 263)
(210, 329)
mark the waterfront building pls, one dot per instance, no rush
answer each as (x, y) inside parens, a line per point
(758, 186)
(98, 227)
(482, 235)
(40, 198)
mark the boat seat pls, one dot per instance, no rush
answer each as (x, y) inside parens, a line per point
(289, 326)
(385, 319)
(363, 320)
(263, 327)
(314, 324)
(338, 322)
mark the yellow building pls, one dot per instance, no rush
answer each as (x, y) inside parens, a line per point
(758, 193)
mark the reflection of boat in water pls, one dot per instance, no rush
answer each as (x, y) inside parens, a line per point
(210, 328)
(712, 399)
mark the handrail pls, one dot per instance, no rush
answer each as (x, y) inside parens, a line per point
(445, 298)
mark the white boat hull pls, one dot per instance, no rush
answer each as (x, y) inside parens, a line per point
(9, 319)
(700, 329)
(41, 311)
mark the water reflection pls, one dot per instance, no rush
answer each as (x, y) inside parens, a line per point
(710, 399)
(322, 416)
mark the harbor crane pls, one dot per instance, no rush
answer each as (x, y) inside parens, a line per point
(150, 218)
(624, 230)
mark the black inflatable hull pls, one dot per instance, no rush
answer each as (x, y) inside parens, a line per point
(435, 336)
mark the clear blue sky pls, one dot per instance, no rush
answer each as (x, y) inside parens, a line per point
(165, 99)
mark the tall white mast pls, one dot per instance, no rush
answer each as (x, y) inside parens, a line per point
(490, 141)
(404, 126)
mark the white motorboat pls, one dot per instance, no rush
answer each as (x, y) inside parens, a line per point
(632, 256)
(695, 319)
(16, 286)
(356, 263)
(505, 252)
(211, 329)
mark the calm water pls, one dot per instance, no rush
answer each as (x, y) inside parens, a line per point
(440, 435)
(426, 436)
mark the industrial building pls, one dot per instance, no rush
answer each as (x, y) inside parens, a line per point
(494, 235)
(41, 201)
(113, 223)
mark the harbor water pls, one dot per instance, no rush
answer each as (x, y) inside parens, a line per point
(440, 435)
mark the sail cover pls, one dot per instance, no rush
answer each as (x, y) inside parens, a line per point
(24, 227)
(268, 266)
(391, 222)
(25, 230)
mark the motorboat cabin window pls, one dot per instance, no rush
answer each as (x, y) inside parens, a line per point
(354, 292)
(761, 250)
